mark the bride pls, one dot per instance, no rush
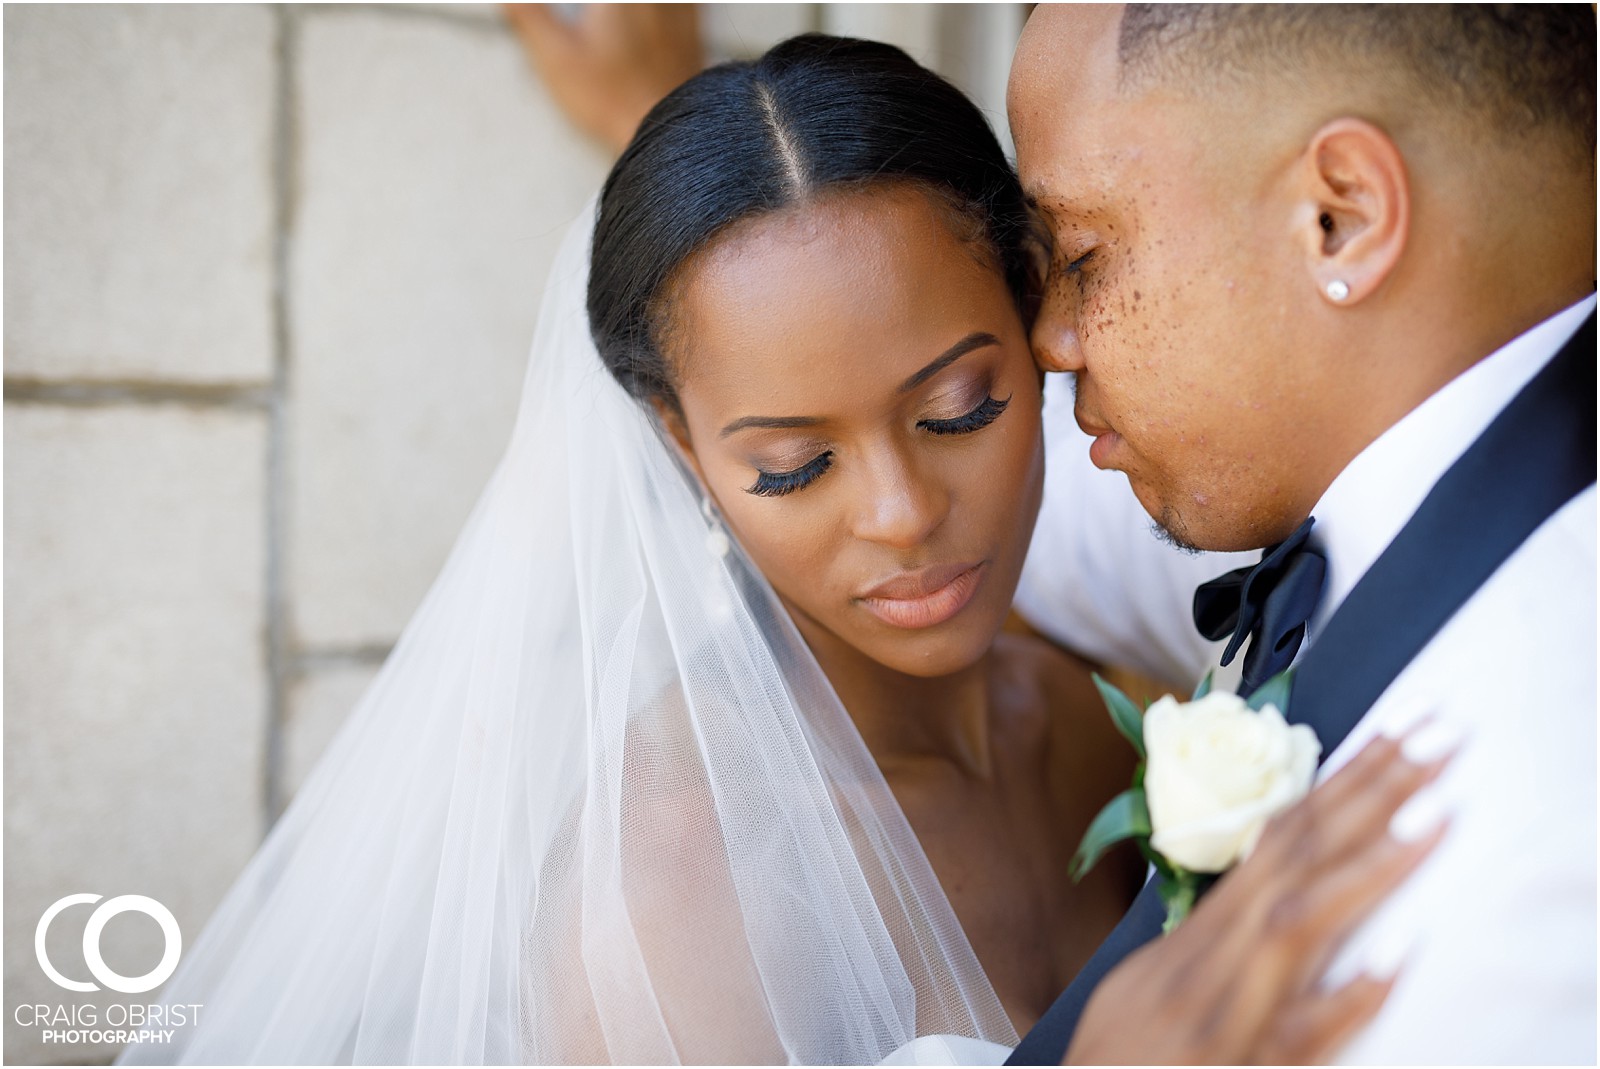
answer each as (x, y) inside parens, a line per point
(707, 744)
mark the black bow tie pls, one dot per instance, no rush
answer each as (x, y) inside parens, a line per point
(1270, 603)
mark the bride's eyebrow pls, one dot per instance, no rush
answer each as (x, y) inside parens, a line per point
(779, 422)
(978, 339)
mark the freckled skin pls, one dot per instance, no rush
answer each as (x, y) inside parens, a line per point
(1234, 392)
(1163, 233)
(995, 746)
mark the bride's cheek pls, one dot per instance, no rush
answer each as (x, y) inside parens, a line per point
(788, 542)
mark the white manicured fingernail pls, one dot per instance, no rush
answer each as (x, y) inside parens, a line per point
(1388, 955)
(1419, 817)
(1432, 740)
(1397, 724)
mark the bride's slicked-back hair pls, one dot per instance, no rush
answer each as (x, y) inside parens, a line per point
(743, 139)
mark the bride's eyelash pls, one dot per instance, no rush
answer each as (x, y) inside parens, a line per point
(1076, 266)
(987, 412)
(776, 484)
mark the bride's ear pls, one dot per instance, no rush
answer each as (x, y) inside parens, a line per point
(671, 417)
(1354, 209)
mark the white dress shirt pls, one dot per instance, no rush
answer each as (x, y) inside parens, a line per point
(1496, 933)
(1098, 579)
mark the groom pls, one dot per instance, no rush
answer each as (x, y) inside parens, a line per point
(1325, 279)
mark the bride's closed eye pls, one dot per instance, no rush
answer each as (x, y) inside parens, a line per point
(776, 484)
(987, 412)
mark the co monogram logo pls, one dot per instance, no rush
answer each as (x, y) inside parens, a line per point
(128, 985)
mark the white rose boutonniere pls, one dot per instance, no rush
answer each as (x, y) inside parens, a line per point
(1215, 769)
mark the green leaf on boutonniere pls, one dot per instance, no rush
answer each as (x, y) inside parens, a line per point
(1163, 867)
(1124, 713)
(1205, 686)
(1274, 691)
(1124, 817)
(1178, 893)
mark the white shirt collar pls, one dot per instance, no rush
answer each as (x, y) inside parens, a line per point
(1377, 493)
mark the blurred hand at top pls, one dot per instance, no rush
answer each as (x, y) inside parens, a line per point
(608, 65)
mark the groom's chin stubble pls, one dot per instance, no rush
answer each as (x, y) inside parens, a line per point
(1168, 528)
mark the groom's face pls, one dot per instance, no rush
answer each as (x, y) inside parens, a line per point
(1165, 293)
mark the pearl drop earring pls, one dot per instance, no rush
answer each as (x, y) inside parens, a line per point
(717, 543)
(1337, 290)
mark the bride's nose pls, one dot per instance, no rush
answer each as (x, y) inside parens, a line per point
(900, 507)
(1055, 337)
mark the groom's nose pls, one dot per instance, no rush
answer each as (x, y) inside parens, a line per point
(1055, 339)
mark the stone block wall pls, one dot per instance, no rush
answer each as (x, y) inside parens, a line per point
(271, 274)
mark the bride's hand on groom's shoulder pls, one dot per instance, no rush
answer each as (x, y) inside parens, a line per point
(606, 65)
(1240, 981)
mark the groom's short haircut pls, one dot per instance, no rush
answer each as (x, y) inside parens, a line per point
(1517, 68)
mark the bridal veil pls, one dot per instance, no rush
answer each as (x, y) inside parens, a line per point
(600, 804)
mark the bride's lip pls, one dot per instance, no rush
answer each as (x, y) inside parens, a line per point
(925, 597)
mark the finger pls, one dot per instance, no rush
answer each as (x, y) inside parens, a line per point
(1367, 816)
(682, 22)
(1345, 896)
(543, 33)
(1368, 763)
(1288, 922)
(1300, 934)
(1227, 974)
(1293, 835)
(1269, 929)
(1312, 1031)
(1327, 825)
(635, 25)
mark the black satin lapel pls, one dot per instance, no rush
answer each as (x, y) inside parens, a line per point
(1536, 456)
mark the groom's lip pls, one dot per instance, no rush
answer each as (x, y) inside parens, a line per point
(925, 597)
(1105, 440)
(1089, 425)
(1102, 451)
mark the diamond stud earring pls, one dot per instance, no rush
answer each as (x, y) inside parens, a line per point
(1337, 290)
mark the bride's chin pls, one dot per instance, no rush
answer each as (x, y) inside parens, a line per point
(930, 656)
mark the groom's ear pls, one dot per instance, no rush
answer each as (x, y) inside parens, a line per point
(1356, 208)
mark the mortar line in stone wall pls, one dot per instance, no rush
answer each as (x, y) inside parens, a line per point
(307, 660)
(97, 393)
(283, 133)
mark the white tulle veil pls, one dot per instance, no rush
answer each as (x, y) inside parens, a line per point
(600, 804)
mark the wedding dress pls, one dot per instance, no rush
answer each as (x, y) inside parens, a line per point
(600, 804)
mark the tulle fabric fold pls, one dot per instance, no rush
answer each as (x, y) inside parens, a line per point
(599, 805)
